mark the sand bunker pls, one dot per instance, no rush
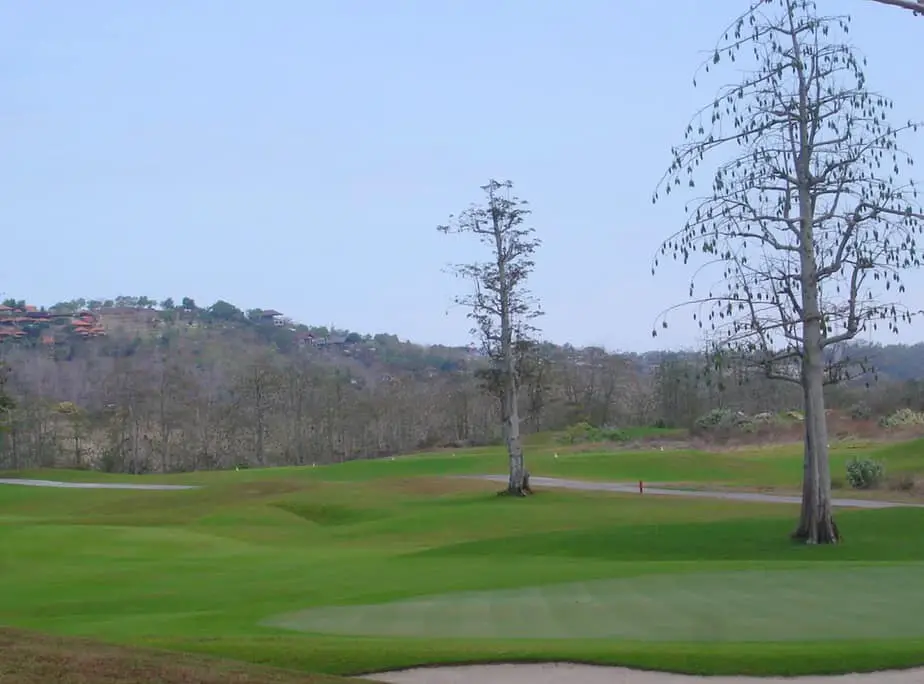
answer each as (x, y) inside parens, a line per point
(553, 673)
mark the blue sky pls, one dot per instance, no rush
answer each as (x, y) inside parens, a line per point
(298, 154)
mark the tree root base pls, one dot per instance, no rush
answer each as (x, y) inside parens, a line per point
(823, 534)
(523, 490)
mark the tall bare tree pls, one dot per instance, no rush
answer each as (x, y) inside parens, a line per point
(6, 405)
(500, 304)
(807, 217)
(916, 6)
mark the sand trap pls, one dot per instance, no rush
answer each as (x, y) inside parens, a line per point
(553, 673)
(92, 485)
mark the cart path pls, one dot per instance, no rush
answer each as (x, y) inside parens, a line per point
(629, 488)
(92, 485)
(554, 482)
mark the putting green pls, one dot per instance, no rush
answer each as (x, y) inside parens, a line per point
(861, 602)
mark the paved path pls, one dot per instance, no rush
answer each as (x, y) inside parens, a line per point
(92, 485)
(627, 488)
(555, 482)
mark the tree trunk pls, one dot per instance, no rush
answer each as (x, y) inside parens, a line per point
(816, 522)
(518, 482)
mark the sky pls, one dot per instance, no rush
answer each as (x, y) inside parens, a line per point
(298, 155)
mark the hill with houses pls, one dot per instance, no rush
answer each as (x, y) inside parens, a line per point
(136, 320)
(131, 384)
(125, 322)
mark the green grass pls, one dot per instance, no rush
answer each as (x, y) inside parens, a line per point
(777, 466)
(393, 567)
(757, 605)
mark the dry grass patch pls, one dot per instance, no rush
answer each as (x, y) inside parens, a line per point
(31, 658)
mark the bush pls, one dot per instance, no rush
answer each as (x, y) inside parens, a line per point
(861, 411)
(901, 418)
(715, 418)
(723, 419)
(585, 432)
(864, 473)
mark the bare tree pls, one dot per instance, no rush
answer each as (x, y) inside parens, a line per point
(6, 409)
(500, 305)
(807, 218)
(916, 6)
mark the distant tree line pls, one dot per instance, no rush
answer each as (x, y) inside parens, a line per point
(219, 397)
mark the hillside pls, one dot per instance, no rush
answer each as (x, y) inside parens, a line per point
(132, 386)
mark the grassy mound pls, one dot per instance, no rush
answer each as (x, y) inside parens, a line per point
(30, 658)
(691, 585)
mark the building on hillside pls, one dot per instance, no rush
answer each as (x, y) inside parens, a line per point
(270, 317)
(333, 342)
(86, 325)
(305, 339)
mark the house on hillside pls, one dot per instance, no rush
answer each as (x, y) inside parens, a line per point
(86, 325)
(333, 342)
(9, 332)
(305, 339)
(270, 317)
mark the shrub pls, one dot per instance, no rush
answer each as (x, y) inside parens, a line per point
(861, 411)
(864, 473)
(577, 432)
(723, 419)
(610, 434)
(585, 432)
(714, 419)
(901, 418)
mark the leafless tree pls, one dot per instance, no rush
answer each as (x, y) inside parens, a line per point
(807, 219)
(500, 305)
(7, 405)
(916, 6)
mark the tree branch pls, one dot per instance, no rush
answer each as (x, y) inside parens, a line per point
(916, 6)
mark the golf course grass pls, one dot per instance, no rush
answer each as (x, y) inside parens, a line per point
(377, 565)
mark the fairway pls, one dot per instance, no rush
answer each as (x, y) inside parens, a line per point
(376, 565)
(762, 605)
